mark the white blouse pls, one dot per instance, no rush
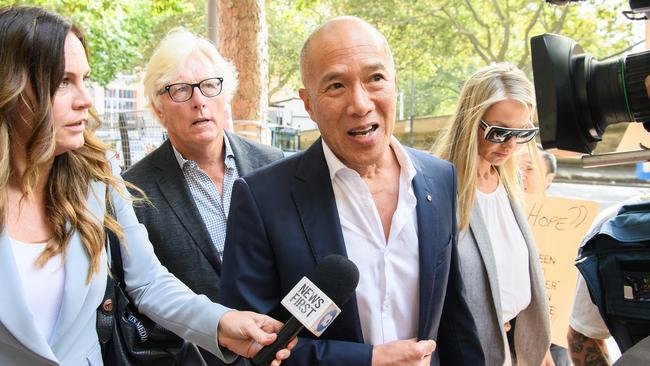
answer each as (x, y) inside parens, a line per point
(42, 286)
(510, 251)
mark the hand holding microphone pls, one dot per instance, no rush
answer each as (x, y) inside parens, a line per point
(246, 332)
(314, 302)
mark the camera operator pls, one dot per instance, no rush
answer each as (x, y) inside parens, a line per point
(587, 329)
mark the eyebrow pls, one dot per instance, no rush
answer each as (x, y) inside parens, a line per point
(333, 75)
(375, 67)
(68, 73)
(501, 124)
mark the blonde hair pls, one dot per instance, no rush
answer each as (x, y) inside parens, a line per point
(37, 38)
(177, 46)
(459, 143)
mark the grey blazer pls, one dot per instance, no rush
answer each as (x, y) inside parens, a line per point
(176, 230)
(179, 236)
(157, 293)
(478, 271)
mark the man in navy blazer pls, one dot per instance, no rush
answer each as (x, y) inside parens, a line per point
(355, 192)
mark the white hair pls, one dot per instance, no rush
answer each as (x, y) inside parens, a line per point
(177, 46)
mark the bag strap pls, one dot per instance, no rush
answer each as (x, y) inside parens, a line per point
(114, 245)
(105, 314)
(105, 318)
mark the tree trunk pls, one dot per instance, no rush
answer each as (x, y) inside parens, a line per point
(212, 20)
(244, 40)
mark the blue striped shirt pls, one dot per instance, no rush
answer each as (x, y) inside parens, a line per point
(212, 205)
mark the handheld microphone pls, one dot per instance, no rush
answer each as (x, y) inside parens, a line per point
(314, 302)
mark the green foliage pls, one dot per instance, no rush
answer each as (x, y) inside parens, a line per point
(288, 27)
(123, 33)
(437, 44)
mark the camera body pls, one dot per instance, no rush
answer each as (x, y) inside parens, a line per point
(578, 97)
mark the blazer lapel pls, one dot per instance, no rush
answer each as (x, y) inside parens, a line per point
(316, 205)
(314, 199)
(174, 189)
(535, 270)
(75, 288)
(428, 250)
(14, 312)
(77, 264)
(482, 240)
(243, 156)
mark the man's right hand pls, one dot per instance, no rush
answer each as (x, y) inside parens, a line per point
(408, 352)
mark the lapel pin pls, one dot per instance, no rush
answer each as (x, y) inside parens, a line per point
(429, 197)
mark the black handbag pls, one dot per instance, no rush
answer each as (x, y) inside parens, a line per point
(129, 338)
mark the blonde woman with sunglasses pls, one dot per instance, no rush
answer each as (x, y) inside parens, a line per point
(498, 260)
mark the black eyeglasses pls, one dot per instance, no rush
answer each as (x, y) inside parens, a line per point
(182, 92)
(499, 135)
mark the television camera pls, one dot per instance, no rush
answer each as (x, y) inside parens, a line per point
(578, 97)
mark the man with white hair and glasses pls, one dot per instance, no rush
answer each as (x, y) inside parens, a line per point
(189, 177)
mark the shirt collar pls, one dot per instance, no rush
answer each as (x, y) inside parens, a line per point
(228, 158)
(335, 165)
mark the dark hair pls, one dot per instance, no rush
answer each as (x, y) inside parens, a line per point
(34, 39)
(551, 162)
(549, 159)
(32, 42)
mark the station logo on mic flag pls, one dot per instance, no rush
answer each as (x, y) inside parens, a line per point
(310, 306)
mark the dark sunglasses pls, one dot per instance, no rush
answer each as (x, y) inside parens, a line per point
(499, 135)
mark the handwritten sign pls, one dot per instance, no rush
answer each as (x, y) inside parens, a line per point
(558, 225)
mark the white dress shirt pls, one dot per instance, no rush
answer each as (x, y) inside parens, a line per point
(388, 291)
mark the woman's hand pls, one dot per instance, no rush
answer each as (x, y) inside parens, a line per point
(246, 332)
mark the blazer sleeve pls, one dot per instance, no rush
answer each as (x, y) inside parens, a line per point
(157, 293)
(251, 281)
(458, 340)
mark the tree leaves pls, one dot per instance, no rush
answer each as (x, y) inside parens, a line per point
(436, 43)
(123, 33)
(439, 44)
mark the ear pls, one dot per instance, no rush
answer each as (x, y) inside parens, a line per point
(159, 113)
(304, 95)
(549, 179)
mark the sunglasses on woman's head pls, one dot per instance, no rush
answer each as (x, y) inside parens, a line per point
(499, 135)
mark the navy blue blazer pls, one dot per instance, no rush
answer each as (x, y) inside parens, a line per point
(283, 220)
